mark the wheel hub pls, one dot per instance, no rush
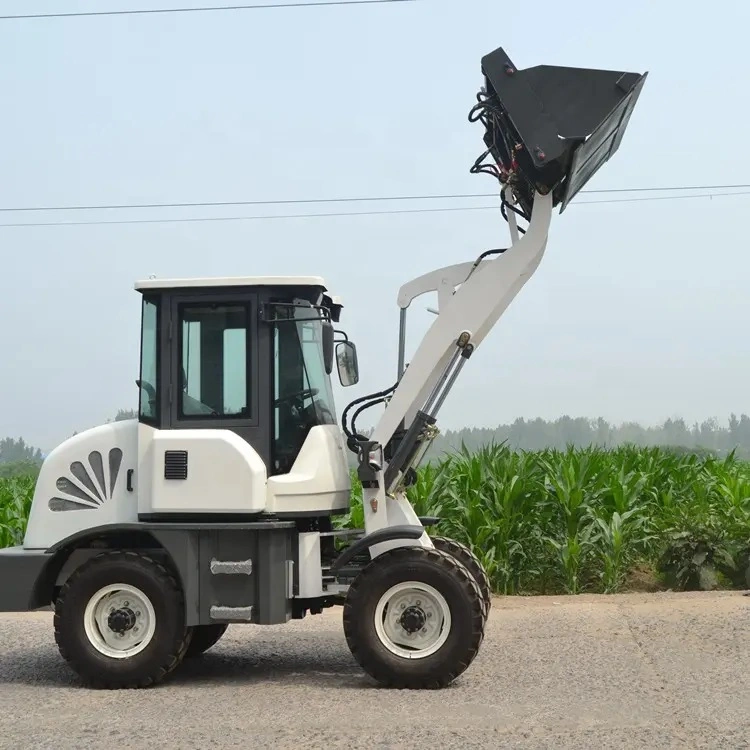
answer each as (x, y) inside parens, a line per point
(413, 619)
(121, 620)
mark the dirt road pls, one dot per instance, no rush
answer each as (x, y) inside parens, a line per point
(631, 671)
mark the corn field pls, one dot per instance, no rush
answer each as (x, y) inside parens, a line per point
(553, 521)
(591, 520)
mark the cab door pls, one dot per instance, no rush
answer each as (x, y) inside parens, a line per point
(216, 377)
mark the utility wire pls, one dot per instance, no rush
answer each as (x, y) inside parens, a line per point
(352, 213)
(205, 9)
(380, 198)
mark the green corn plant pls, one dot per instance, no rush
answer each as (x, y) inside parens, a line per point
(614, 545)
(15, 503)
(426, 493)
(572, 552)
(571, 480)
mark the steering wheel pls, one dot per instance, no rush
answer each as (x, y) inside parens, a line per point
(303, 394)
(150, 391)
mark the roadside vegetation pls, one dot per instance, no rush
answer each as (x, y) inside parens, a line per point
(562, 521)
(590, 519)
(15, 502)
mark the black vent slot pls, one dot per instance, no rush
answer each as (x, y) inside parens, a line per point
(175, 464)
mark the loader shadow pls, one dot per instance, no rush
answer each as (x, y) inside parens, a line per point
(235, 663)
(220, 667)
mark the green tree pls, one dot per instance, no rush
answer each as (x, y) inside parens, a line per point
(12, 451)
(123, 414)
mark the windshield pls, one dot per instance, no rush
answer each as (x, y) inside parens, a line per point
(303, 395)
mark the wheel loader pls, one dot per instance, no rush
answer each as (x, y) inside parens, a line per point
(216, 505)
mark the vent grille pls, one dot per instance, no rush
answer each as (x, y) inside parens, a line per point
(175, 464)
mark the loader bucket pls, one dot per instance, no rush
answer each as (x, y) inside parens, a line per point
(551, 128)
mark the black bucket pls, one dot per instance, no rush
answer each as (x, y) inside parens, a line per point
(549, 128)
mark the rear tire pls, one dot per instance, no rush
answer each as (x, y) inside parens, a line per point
(204, 637)
(414, 618)
(465, 556)
(120, 621)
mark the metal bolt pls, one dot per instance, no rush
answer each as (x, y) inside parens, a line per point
(135, 629)
(539, 153)
(403, 606)
(121, 635)
(424, 630)
(125, 604)
(137, 613)
(429, 614)
(418, 602)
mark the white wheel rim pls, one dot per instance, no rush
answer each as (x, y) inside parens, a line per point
(404, 607)
(119, 621)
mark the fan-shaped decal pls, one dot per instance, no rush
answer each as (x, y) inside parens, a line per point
(87, 486)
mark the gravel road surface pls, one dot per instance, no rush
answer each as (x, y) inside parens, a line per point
(627, 671)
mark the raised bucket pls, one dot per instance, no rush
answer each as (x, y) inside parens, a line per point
(551, 128)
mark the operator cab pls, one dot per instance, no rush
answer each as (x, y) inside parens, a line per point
(252, 355)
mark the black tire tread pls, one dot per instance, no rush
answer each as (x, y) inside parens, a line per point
(450, 564)
(159, 671)
(470, 561)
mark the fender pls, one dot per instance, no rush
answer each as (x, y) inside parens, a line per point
(387, 534)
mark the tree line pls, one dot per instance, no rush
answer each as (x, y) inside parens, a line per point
(708, 436)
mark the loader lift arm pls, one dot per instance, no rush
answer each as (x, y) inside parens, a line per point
(548, 130)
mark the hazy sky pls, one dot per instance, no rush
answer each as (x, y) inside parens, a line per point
(638, 311)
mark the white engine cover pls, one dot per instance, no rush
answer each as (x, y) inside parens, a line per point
(83, 484)
(225, 474)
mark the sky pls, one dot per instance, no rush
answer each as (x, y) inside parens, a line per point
(638, 310)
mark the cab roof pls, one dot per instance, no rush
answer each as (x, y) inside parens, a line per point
(231, 281)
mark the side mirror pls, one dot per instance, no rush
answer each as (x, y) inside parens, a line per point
(328, 334)
(346, 358)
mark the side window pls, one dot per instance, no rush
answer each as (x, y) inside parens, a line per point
(214, 361)
(148, 403)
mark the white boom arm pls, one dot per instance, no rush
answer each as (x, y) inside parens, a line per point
(470, 303)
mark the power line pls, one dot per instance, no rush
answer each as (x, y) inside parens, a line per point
(351, 213)
(380, 198)
(205, 9)
(665, 189)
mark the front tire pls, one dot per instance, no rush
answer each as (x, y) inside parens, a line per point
(414, 618)
(119, 621)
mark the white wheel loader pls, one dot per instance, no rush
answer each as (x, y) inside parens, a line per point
(149, 537)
